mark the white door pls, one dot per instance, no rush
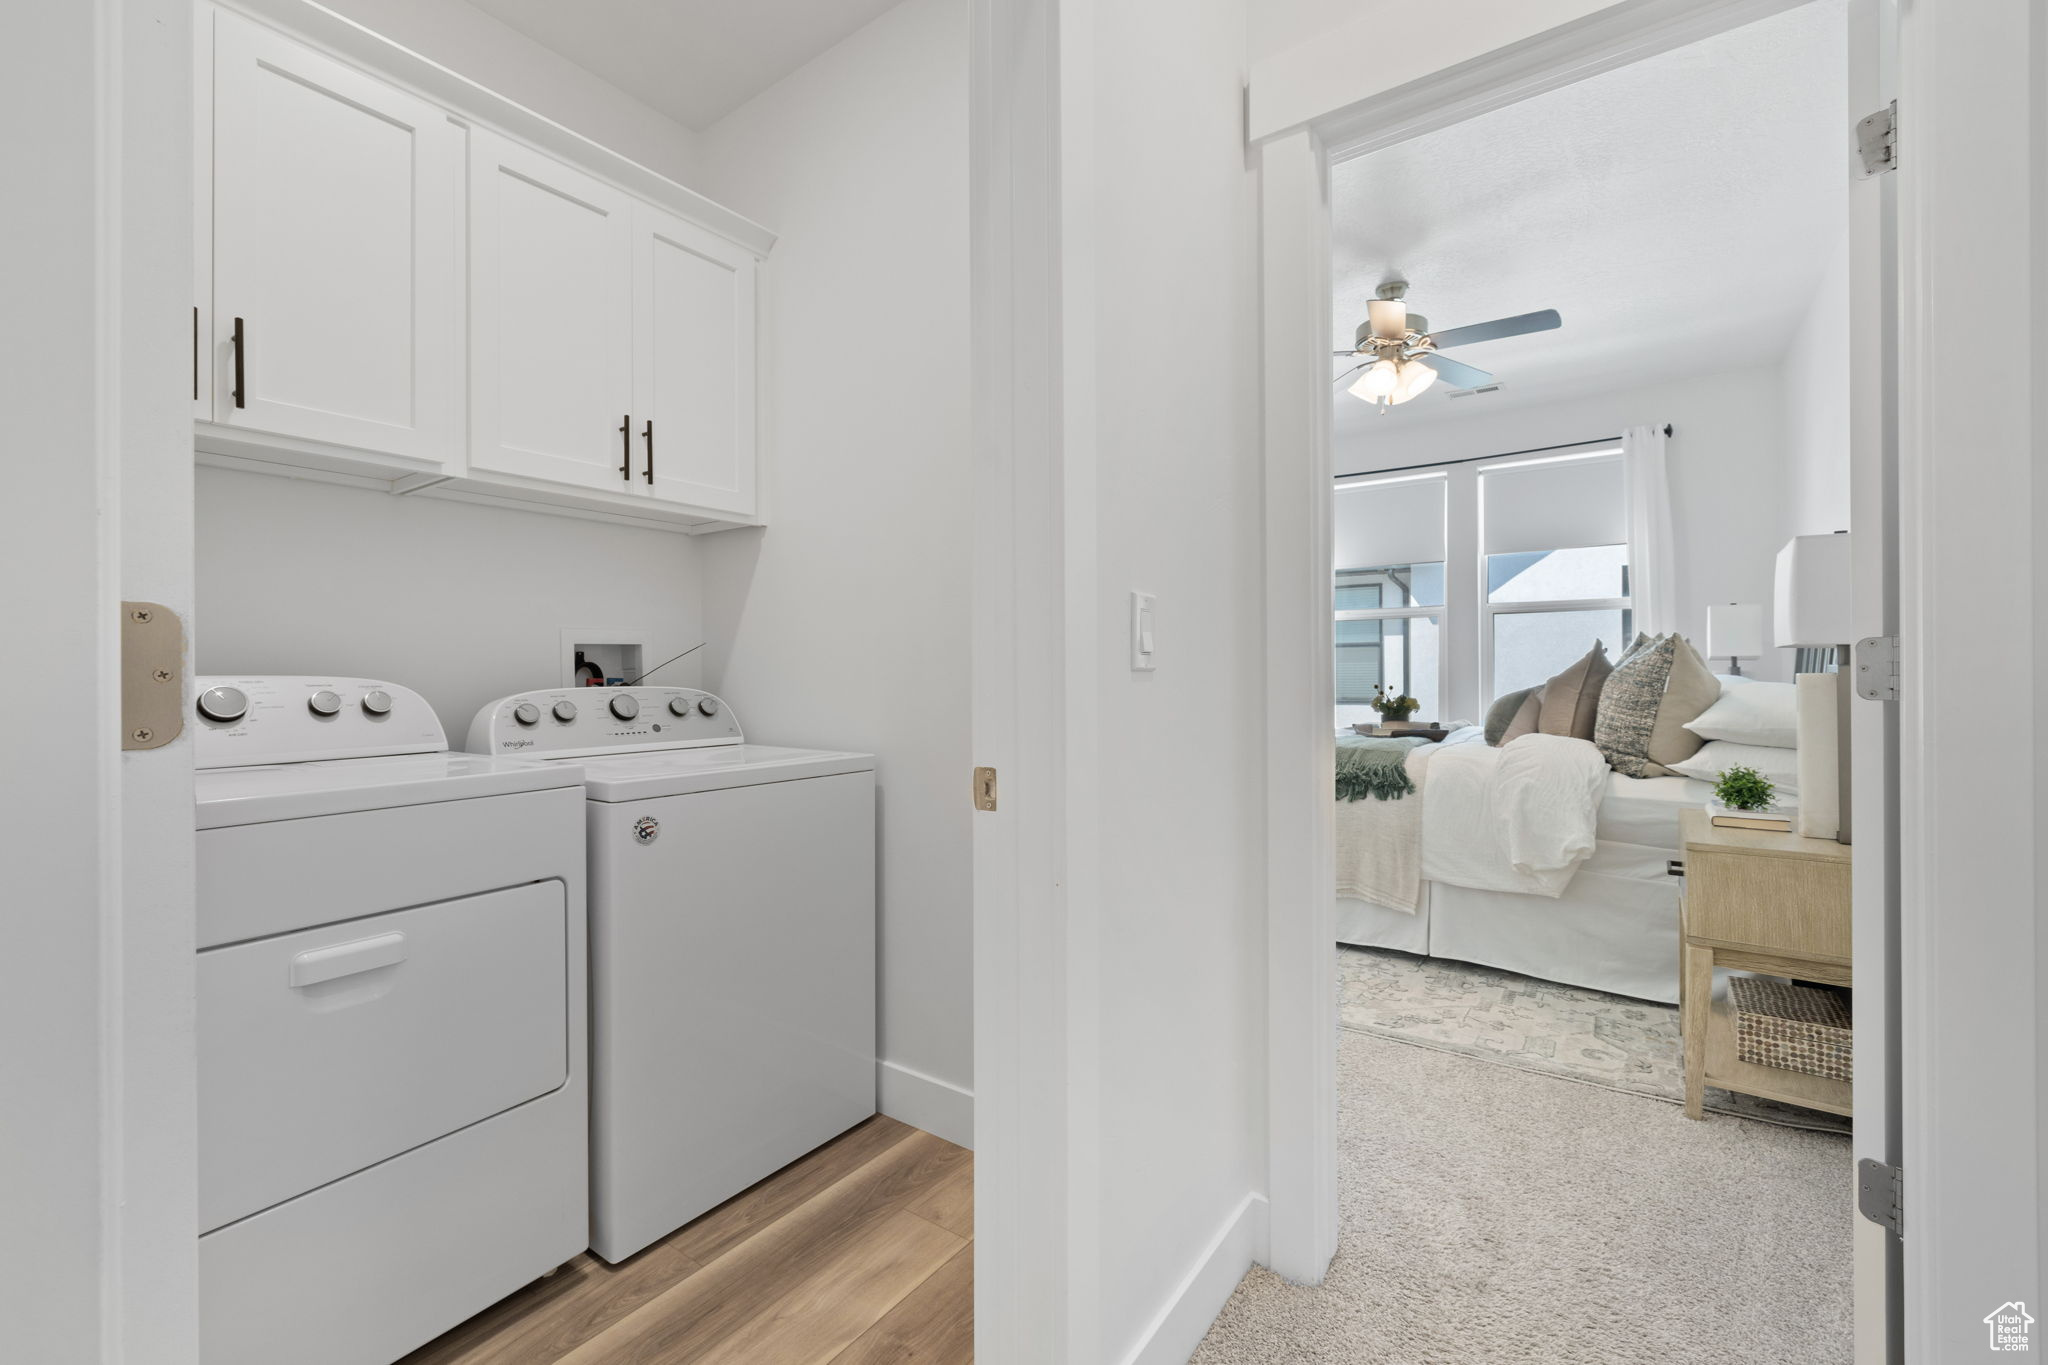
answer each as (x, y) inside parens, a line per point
(551, 320)
(336, 310)
(693, 364)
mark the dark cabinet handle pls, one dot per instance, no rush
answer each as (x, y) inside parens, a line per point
(626, 447)
(649, 434)
(241, 352)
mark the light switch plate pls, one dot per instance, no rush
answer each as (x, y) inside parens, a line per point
(1141, 632)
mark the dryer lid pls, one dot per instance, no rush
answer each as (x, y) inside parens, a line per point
(294, 791)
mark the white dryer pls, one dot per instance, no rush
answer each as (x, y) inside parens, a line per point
(391, 1023)
(732, 926)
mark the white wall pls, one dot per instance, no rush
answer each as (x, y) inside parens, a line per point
(497, 56)
(1162, 321)
(1731, 473)
(461, 602)
(845, 621)
(1816, 386)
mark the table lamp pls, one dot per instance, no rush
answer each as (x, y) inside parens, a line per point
(1736, 630)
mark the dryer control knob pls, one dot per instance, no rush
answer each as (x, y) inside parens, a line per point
(625, 707)
(223, 704)
(377, 702)
(526, 713)
(325, 702)
(565, 711)
(709, 706)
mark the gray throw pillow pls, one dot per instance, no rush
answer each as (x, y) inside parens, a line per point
(1629, 703)
(1502, 714)
(1571, 700)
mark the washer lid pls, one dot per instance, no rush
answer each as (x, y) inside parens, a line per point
(293, 791)
(672, 772)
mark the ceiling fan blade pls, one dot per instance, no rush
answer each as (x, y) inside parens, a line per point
(1498, 328)
(1347, 374)
(1455, 371)
(1341, 354)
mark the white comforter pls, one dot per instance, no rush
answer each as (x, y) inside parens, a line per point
(1519, 818)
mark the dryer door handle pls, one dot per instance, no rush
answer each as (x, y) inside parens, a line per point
(346, 959)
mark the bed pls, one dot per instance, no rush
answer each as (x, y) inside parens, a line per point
(1615, 927)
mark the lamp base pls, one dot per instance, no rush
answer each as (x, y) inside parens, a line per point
(1734, 667)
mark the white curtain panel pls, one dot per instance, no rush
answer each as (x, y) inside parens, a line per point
(1652, 557)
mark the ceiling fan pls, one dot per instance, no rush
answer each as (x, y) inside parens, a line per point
(1398, 356)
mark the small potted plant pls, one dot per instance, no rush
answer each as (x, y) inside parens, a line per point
(1743, 799)
(1395, 710)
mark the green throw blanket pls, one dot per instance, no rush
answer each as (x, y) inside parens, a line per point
(1375, 767)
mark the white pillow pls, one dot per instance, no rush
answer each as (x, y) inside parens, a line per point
(1780, 767)
(1754, 713)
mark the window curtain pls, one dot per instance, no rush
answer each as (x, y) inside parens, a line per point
(1652, 557)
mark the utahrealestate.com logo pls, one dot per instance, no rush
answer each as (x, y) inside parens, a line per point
(2008, 1324)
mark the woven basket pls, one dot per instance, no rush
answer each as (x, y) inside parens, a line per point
(1793, 1028)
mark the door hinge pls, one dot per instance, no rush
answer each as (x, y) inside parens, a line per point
(152, 675)
(984, 788)
(1877, 140)
(1881, 1195)
(1877, 668)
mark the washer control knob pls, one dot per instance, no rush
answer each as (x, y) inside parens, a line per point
(325, 702)
(526, 713)
(625, 706)
(679, 706)
(709, 706)
(224, 704)
(565, 711)
(377, 702)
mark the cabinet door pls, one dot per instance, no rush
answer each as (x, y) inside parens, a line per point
(334, 244)
(693, 361)
(551, 319)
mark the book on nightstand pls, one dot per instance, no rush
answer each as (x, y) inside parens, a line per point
(1777, 820)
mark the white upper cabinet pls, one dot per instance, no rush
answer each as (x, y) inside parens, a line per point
(405, 282)
(693, 364)
(336, 310)
(551, 319)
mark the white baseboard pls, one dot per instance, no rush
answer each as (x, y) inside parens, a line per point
(939, 1107)
(1182, 1323)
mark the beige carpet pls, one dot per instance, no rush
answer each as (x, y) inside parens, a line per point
(1493, 1216)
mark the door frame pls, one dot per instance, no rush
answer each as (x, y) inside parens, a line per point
(98, 1116)
(1966, 830)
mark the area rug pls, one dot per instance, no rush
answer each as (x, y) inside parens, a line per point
(1567, 1031)
(1495, 1216)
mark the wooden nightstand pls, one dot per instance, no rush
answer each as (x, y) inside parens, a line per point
(1771, 903)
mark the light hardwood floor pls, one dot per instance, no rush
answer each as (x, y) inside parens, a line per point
(862, 1253)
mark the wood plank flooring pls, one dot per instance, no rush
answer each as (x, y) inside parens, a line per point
(862, 1253)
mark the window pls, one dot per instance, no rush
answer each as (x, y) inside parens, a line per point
(1463, 583)
(1388, 595)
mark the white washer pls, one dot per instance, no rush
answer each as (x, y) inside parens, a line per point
(393, 1104)
(732, 926)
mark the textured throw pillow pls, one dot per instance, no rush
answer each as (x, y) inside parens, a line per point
(1629, 703)
(1689, 692)
(1764, 713)
(1571, 700)
(1779, 767)
(1503, 713)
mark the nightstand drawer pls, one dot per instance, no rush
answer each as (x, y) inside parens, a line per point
(1786, 905)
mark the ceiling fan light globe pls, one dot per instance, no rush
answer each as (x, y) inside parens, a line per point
(1413, 378)
(1377, 381)
(1387, 318)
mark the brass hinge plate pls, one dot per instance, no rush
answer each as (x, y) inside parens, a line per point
(984, 788)
(152, 675)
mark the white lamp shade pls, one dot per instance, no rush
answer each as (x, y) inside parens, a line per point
(1735, 630)
(1815, 591)
(1377, 382)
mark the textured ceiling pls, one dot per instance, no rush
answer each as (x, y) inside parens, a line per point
(694, 60)
(1677, 212)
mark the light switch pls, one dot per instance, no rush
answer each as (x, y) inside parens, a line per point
(1141, 632)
